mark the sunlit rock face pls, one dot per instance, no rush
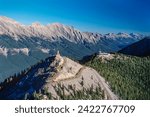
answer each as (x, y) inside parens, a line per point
(24, 45)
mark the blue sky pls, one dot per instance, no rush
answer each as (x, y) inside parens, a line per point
(101, 16)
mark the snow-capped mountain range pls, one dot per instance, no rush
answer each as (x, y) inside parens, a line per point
(22, 46)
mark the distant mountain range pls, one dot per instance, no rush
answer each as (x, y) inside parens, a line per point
(140, 48)
(22, 46)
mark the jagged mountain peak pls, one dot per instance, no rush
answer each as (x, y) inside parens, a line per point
(57, 24)
(36, 24)
(61, 27)
(8, 20)
(136, 35)
(16, 30)
(110, 34)
(123, 34)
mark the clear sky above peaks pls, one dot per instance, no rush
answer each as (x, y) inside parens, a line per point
(101, 16)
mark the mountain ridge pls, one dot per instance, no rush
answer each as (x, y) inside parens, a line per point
(22, 46)
(52, 30)
(50, 73)
(140, 48)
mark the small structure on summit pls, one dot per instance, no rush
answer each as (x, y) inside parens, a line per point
(58, 54)
(103, 53)
(58, 61)
(105, 56)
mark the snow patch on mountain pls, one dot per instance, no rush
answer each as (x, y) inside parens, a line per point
(13, 51)
(3, 51)
(45, 50)
(24, 51)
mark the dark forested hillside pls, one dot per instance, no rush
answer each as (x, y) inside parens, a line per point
(128, 76)
(140, 48)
